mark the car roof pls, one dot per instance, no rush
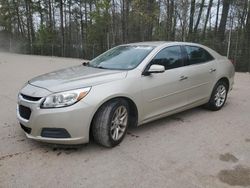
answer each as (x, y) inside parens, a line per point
(169, 43)
(148, 43)
(159, 43)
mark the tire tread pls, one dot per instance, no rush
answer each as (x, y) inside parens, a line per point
(100, 127)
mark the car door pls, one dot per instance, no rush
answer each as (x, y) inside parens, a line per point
(200, 70)
(164, 92)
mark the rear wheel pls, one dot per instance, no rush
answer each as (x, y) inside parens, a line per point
(111, 122)
(218, 97)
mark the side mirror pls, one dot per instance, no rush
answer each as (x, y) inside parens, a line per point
(154, 69)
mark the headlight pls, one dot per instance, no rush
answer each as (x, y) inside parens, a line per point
(64, 99)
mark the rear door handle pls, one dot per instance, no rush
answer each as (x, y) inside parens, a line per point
(183, 78)
(212, 70)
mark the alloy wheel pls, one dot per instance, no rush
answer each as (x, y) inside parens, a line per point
(119, 123)
(220, 95)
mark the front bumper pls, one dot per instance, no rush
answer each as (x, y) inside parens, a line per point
(75, 119)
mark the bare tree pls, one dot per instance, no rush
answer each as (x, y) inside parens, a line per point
(191, 20)
(247, 33)
(86, 28)
(207, 16)
(125, 16)
(223, 21)
(199, 16)
(62, 27)
(217, 17)
(30, 26)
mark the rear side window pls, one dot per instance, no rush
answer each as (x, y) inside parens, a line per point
(169, 57)
(197, 55)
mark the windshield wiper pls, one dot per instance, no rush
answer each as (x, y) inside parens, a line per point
(101, 67)
(86, 63)
(89, 65)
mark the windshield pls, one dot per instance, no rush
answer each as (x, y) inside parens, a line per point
(122, 57)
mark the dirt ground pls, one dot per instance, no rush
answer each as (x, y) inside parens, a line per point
(195, 148)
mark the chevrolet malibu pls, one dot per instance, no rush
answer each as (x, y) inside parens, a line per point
(131, 84)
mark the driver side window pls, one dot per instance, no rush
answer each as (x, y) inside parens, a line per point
(169, 57)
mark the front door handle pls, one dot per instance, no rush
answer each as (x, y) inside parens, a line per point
(183, 78)
(212, 70)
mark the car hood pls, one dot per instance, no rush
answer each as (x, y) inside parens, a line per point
(76, 77)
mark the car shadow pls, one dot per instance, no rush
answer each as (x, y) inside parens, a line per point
(133, 131)
(180, 117)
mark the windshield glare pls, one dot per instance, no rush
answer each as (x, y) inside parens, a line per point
(122, 57)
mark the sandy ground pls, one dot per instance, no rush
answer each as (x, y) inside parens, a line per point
(196, 148)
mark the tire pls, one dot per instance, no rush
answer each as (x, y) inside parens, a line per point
(111, 122)
(218, 97)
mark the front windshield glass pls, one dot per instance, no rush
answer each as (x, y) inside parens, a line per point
(122, 57)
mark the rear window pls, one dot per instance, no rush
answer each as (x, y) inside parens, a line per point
(197, 55)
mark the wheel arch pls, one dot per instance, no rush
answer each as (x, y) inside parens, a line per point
(133, 110)
(209, 105)
(226, 80)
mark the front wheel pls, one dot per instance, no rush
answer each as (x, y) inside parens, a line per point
(218, 97)
(110, 123)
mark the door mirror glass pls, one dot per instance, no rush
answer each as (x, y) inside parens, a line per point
(156, 69)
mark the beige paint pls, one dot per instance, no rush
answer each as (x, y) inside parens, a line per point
(155, 96)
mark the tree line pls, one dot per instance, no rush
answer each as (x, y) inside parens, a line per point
(86, 28)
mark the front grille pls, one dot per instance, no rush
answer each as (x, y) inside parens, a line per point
(24, 112)
(26, 129)
(29, 98)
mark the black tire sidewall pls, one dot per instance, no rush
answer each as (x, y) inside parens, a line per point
(117, 104)
(212, 104)
(102, 122)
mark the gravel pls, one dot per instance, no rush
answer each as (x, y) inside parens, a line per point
(195, 148)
